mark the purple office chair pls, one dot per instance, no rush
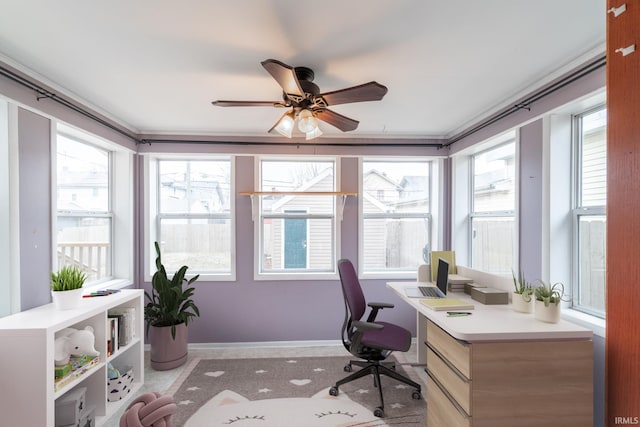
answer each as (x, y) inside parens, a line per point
(370, 341)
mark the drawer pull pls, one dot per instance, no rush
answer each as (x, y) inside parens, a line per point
(449, 364)
(448, 396)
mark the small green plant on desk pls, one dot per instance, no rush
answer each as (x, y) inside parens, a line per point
(522, 287)
(548, 293)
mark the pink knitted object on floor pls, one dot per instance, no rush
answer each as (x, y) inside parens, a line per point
(149, 410)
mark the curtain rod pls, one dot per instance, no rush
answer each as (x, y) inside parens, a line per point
(45, 93)
(294, 144)
(536, 96)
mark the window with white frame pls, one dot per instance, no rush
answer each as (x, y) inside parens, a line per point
(493, 209)
(297, 229)
(192, 215)
(589, 213)
(84, 221)
(396, 220)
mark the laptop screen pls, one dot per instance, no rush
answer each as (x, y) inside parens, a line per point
(443, 275)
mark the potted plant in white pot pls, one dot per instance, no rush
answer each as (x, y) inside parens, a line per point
(167, 313)
(66, 287)
(522, 296)
(548, 298)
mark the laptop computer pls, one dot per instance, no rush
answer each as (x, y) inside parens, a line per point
(438, 291)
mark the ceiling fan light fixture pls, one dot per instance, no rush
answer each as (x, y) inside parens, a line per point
(314, 133)
(306, 122)
(285, 125)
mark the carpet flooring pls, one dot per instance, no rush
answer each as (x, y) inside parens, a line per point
(287, 392)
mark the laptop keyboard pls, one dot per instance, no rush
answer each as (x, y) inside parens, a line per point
(428, 291)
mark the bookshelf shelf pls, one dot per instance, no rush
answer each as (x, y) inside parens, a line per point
(27, 358)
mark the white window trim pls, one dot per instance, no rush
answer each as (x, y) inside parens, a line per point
(150, 213)
(436, 209)
(121, 200)
(297, 276)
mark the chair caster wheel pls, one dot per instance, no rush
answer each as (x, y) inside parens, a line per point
(416, 395)
(348, 368)
(333, 391)
(378, 412)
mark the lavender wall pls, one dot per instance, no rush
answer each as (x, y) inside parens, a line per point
(35, 208)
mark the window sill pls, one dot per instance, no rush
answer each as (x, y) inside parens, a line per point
(596, 324)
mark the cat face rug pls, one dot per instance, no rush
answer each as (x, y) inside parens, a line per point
(231, 409)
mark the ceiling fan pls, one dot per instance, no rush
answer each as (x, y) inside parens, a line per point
(307, 103)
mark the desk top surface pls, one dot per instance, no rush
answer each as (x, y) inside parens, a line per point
(492, 322)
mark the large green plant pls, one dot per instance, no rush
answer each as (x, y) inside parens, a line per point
(170, 302)
(67, 278)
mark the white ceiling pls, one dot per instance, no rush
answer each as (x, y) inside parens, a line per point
(156, 65)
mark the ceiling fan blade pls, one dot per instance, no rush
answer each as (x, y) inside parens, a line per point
(343, 123)
(372, 91)
(285, 75)
(223, 103)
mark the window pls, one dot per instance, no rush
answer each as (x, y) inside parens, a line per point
(297, 229)
(589, 213)
(396, 215)
(192, 215)
(84, 223)
(493, 206)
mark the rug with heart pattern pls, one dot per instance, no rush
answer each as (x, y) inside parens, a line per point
(288, 392)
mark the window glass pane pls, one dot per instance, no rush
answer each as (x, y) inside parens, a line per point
(297, 232)
(396, 219)
(297, 175)
(84, 220)
(202, 244)
(494, 179)
(83, 177)
(395, 243)
(84, 242)
(194, 218)
(593, 179)
(297, 243)
(395, 186)
(194, 186)
(592, 261)
(492, 244)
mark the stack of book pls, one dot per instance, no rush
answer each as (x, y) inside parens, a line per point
(77, 366)
(457, 282)
(120, 328)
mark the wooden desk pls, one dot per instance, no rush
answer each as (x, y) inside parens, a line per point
(500, 368)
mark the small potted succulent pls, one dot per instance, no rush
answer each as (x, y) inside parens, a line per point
(66, 287)
(522, 296)
(548, 298)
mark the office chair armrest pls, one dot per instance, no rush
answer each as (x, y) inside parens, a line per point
(364, 326)
(375, 306)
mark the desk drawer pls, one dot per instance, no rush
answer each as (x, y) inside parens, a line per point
(454, 383)
(458, 353)
(440, 411)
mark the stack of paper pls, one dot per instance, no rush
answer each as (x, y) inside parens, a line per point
(446, 304)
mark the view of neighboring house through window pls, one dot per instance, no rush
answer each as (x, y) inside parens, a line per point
(297, 229)
(396, 214)
(590, 212)
(493, 207)
(84, 217)
(193, 224)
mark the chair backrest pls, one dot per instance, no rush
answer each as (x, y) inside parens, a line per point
(353, 296)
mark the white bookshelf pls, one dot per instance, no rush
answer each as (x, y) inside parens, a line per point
(27, 359)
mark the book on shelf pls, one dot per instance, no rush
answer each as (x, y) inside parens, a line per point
(112, 335)
(126, 324)
(77, 366)
(447, 303)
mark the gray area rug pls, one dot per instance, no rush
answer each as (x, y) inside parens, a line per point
(287, 392)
